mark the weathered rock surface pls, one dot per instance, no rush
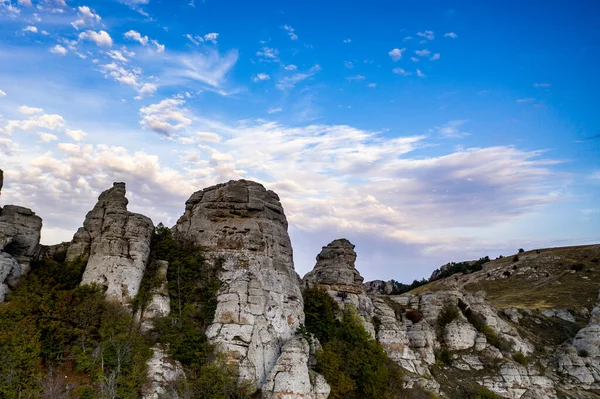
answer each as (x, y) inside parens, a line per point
(160, 302)
(20, 230)
(243, 231)
(162, 372)
(115, 243)
(335, 271)
(291, 379)
(580, 361)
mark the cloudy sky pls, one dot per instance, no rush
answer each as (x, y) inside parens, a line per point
(424, 134)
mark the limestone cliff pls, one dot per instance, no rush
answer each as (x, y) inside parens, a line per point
(115, 243)
(20, 230)
(243, 231)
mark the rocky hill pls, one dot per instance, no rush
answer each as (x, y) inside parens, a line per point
(213, 306)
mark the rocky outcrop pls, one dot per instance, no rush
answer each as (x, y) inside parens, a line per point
(580, 361)
(20, 231)
(115, 243)
(335, 271)
(243, 231)
(291, 379)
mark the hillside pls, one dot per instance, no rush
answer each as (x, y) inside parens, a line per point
(213, 307)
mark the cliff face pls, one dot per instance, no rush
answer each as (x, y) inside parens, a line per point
(445, 334)
(243, 231)
(20, 230)
(115, 243)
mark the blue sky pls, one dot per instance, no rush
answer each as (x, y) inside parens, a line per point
(422, 133)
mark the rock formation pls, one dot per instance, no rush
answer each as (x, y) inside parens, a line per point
(243, 231)
(580, 361)
(160, 302)
(20, 230)
(115, 243)
(335, 272)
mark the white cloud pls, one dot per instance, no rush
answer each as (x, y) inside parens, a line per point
(260, 76)
(274, 110)
(147, 89)
(401, 71)
(7, 146)
(160, 48)
(76, 135)
(45, 121)
(348, 64)
(165, 117)
(452, 129)
(101, 38)
(209, 68)
(208, 137)
(47, 137)
(396, 53)
(121, 74)
(289, 82)
(347, 40)
(451, 35)
(133, 35)
(32, 29)
(291, 67)
(372, 85)
(420, 74)
(24, 109)
(434, 57)
(58, 49)
(25, 3)
(2, 93)
(407, 38)
(268, 54)
(290, 31)
(356, 77)
(525, 100)
(117, 55)
(209, 37)
(543, 85)
(414, 59)
(423, 53)
(428, 34)
(87, 17)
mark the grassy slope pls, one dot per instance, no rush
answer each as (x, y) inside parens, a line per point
(541, 280)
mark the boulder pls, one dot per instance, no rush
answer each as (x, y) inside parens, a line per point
(115, 243)
(20, 231)
(242, 229)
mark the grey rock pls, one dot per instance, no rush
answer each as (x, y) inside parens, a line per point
(243, 231)
(160, 302)
(163, 371)
(291, 379)
(10, 271)
(115, 243)
(20, 230)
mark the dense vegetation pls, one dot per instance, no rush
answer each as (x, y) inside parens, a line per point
(460, 267)
(353, 363)
(193, 289)
(61, 340)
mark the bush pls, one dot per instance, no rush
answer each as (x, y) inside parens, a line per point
(444, 356)
(484, 393)
(515, 258)
(354, 365)
(414, 315)
(521, 250)
(577, 267)
(520, 358)
(448, 313)
(461, 267)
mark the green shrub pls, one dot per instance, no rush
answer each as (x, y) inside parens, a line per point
(520, 358)
(355, 365)
(444, 356)
(484, 393)
(448, 313)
